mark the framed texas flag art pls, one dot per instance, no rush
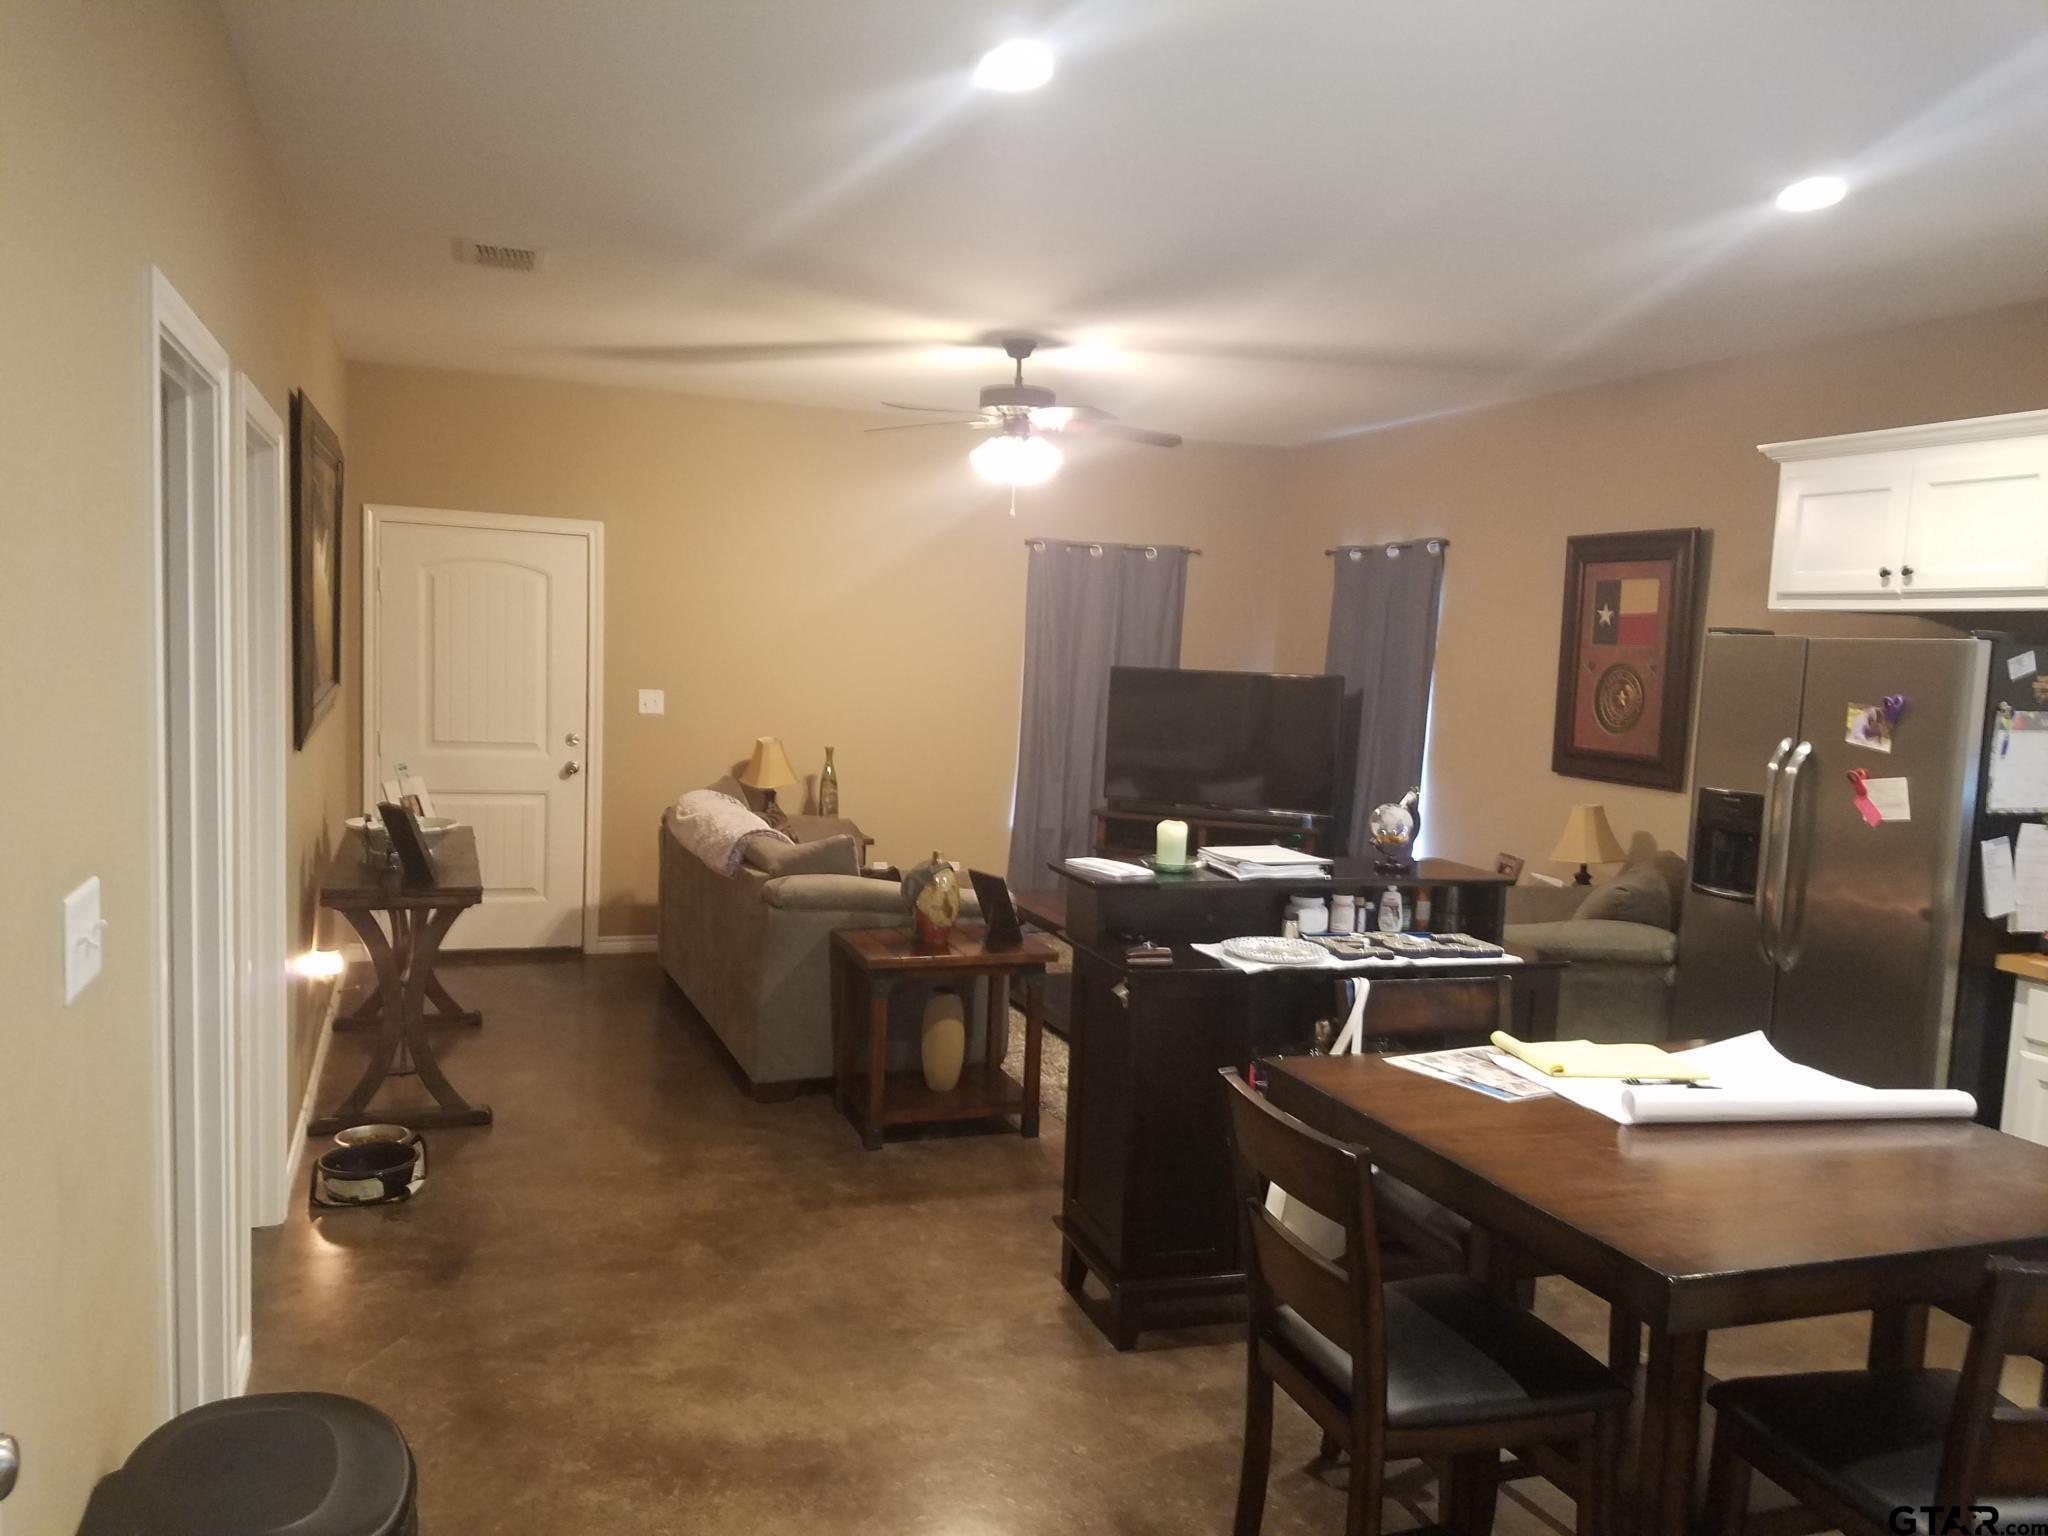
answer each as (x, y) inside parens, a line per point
(1626, 656)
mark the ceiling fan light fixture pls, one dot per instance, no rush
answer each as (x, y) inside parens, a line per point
(1021, 64)
(1013, 460)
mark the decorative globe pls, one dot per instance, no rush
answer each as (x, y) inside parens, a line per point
(1392, 826)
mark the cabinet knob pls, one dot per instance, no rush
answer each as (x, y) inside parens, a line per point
(1906, 572)
(1884, 573)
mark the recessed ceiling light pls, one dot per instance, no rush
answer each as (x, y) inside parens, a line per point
(1018, 65)
(1813, 193)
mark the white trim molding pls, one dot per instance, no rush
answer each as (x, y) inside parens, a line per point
(194, 884)
(377, 516)
(301, 1128)
(621, 944)
(1933, 434)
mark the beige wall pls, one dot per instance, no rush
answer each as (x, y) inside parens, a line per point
(1508, 485)
(778, 571)
(129, 141)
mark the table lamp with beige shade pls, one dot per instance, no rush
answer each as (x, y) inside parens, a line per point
(767, 771)
(1587, 839)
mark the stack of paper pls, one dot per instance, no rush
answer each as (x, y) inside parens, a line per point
(1587, 1058)
(1265, 861)
(1747, 1079)
(1110, 869)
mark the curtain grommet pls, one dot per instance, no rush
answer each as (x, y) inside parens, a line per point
(1393, 551)
(1355, 554)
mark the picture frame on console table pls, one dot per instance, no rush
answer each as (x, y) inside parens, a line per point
(1627, 654)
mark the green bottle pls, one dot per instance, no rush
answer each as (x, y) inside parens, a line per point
(828, 787)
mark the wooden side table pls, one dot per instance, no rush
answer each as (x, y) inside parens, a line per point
(868, 964)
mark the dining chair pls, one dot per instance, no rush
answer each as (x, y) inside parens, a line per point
(1436, 1366)
(1898, 1450)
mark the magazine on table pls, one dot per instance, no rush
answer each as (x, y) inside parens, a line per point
(1482, 1068)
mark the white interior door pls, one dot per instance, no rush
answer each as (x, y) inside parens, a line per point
(483, 667)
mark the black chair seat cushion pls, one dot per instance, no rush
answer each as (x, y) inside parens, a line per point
(1456, 1354)
(302, 1463)
(1873, 1440)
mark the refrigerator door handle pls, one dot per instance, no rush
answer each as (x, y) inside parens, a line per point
(1787, 953)
(1766, 843)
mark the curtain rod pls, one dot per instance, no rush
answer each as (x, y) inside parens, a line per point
(1435, 546)
(1098, 546)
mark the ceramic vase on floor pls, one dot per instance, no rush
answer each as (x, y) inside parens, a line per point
(944, 1040)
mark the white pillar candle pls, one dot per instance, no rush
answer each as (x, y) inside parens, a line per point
(1173, 842)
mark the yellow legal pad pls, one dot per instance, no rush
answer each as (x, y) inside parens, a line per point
(1585, 1058)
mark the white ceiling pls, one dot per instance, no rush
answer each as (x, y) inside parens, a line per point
(1258, 220)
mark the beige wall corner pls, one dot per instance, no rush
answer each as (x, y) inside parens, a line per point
(777, 571)
(1509, 484)
(132, 144)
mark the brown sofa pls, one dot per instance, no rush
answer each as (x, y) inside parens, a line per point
(752, 950)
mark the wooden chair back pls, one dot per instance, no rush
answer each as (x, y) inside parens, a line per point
(1339, 1298)
(1996, 1451)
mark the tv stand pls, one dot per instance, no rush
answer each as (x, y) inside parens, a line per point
(1128, 830)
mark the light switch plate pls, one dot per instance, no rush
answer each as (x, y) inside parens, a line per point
(653, 701)
(82, 934)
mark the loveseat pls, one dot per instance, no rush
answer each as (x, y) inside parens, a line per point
(752, 950)
(1621, 938)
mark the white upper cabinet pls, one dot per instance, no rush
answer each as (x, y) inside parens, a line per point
(1953, 515)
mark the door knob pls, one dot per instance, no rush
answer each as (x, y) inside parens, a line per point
(10, 1464)
(570, 770)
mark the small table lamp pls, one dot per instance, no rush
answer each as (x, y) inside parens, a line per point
(768, 770)
(1587, 840)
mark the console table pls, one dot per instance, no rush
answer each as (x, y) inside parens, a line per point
(420, 917)
(1147, 1206)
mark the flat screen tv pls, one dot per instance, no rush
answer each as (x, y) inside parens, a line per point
(1228, 741)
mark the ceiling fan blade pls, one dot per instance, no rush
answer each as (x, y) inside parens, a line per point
(943, 410)
(911, 426)
(1145, 435)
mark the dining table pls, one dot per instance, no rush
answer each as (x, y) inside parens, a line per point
(1685, 1229)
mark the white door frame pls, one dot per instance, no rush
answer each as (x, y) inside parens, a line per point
(375, 517)
(193, 889)
(262, 700)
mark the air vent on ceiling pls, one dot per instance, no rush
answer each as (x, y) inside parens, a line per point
(505, 258)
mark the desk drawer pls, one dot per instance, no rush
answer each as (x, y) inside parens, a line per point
(2030, 1014)
(2026, 1097)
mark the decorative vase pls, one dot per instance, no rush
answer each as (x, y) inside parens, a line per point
(828, 787)
(944, 1040)
(933, 891)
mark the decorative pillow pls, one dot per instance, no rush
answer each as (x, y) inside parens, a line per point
(829, 856)
(1637, 895)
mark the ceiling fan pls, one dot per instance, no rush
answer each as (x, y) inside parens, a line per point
(1025, 419)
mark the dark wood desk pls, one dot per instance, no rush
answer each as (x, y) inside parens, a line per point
(867, 963)
(1692, 1228)
(419, 917)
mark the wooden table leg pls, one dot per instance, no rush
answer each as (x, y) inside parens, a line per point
(454, 1110)
(447, 1010)
(1034, 1038)
(390, 985)
(1667, 1465)
(1898, 1337)
(878, 1064)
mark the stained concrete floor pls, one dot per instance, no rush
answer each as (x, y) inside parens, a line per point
(640, 1303)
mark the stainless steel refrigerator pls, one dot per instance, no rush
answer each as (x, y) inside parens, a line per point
(1844, 940)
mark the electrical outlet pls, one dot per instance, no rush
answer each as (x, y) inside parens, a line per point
(82, 934)
(653, 701)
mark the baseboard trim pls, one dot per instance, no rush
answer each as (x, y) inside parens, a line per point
(245, 1362)
(296, 1152)
(621, 944)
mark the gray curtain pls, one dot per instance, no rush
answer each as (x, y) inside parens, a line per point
(1087, 608)
(1383, 644)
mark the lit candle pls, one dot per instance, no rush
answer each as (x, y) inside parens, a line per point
(1173, 842)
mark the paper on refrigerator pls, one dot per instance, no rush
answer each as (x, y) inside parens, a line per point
(1999, 898)
(2030, 878)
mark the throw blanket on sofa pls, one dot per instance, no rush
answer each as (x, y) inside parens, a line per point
(717, 828)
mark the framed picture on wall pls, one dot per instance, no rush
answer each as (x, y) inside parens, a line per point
(1626, 656)
(316, 568)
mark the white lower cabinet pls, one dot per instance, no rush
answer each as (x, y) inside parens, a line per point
(2025, 1112)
